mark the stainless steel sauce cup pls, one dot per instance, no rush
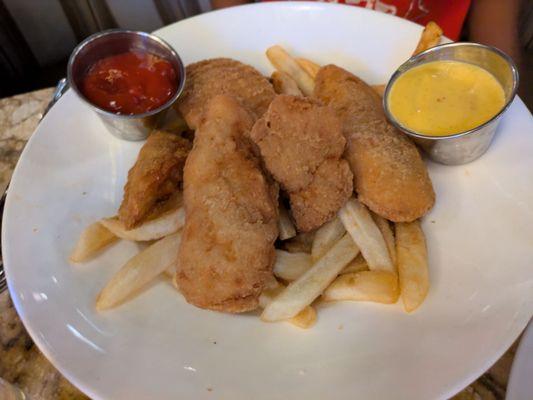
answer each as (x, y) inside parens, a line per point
(462, 147)
(116, 41)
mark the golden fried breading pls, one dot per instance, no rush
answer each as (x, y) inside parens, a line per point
(154, 177)
(326, 194)
(390, 176)
(208, 78)
(301, 143)
(227, 247)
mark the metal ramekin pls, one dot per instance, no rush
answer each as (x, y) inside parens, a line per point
(116, 41)
(462, 147)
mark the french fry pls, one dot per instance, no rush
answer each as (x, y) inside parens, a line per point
(139, 271)
(267, 295)
(284, 84)
(357, 264)
(429, 38)
(303, 291)
(164, 225)
(359, 224)
(282, 61)
(170, 271)
(290, 266)
(379, 89)
(386, 231)
(301, 243)
(326, 236)
(93, 239)
(304, 319)
(308, 66)
(375, 286)
(412, 264)
(285, 225)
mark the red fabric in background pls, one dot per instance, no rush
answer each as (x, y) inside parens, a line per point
(449, 14)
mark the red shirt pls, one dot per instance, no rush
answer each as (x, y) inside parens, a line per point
(448, 14)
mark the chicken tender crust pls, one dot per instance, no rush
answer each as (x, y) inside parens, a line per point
(301, 143)
(227, 247)
(390, 176)
(208, 78)
(155, 176)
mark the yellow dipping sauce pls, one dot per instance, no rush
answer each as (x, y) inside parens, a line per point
(442, 98)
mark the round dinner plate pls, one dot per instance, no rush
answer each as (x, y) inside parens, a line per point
(479, 235)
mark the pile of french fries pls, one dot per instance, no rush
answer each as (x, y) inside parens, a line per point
(357, 256)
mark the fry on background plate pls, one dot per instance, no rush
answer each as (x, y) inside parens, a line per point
(93, 239)
(139, 271)
(303, 291)
(412, 264)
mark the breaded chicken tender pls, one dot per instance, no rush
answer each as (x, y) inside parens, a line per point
(390, 176)
(208, 78)
(227, 247)
(301, 144)
(155, 176)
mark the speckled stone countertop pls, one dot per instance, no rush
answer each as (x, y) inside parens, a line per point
(23, 364)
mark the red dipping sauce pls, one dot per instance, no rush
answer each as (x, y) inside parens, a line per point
(130, 83)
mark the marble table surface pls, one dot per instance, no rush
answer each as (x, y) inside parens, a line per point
(23, 364)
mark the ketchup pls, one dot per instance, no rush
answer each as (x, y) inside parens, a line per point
(130, 83)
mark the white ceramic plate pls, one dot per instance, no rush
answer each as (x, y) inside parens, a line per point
(480, 238)
(520, 384)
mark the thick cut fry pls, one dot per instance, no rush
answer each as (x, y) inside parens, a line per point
(285, 225)
(303, 291)
(170, 271)
(290, 266)
(93, 239)
(282, 61)
(301, 243)
(430, 37)
(326, 237)
(309, 66)
(412, 264)
(304, 319)
(139, 271)
(284, 84)
(379, 89)
(164, 225)
(359, 224)
(386, 231)
(268, 294)
(375, 286)
(358, 264)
